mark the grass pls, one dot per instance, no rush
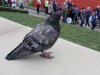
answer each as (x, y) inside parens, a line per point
(24, 19)
(82, 36)
(76, 34)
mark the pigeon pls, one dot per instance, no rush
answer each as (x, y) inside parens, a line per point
(39, 39)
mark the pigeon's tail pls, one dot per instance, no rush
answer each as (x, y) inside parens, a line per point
(18, 52)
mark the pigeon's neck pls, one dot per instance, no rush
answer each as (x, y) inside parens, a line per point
(54, 23)
(57, 28)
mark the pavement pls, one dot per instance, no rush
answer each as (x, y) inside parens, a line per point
(70, 58)
(34, 13)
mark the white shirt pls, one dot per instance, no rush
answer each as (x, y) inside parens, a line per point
(38, 1)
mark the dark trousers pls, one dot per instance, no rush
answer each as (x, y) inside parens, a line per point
(82, 22)
(93, 25)
(5, 3)
(38, 8)
(87, 21)
(46, 10)
(21, 6)
(64, 19)
(9, 4)
(99, 21)
(76, 20)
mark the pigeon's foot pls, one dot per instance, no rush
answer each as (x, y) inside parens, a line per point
(45, 52)
(48, 56)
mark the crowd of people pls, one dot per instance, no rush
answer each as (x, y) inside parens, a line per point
(12, 3)
(71, 13)
(82, 16)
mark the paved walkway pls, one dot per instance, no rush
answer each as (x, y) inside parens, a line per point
(34, 13)
(70, 58)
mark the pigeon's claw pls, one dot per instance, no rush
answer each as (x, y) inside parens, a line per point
(45, 52)
(48, 56)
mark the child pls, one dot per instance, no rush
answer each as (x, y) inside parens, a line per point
(94, 20)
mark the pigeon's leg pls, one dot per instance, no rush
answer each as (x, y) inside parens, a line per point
(46, 55)
(45, 52)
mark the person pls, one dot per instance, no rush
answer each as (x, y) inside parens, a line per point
(54, 6)
(94, 20)
(71, 14)
(9, 3)
(76, 11)
(59, 8)
(99, 18)
(46, 6)
(0, 2)
(5, 3)
(21, 6)
(88, 14)
(64, 14)
(13, 3)
(97, 11)
(38, 6)
(69, 3)
(50, 11)
(65, 5)
(82, 16)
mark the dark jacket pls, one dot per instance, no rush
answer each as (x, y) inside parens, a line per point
(88, 14)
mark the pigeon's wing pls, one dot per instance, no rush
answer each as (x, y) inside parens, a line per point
(44, 35)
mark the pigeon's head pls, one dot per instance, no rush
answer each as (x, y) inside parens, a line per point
(54, 18)
(56, 15)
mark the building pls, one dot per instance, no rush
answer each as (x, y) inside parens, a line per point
(87, 3)
(80, 3)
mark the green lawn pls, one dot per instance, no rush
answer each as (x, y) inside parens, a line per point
(76, 34)
(24, 19)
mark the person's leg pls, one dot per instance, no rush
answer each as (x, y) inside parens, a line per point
(82, 22)
(38, 9)
(5, 3)
(64, 18)
(46, 10)
(87, 21)
(76, 20)
(93, 25)
(10, 4)
(99, 21)
(22, 6)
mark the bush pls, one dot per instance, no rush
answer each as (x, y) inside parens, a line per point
(2, 8)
